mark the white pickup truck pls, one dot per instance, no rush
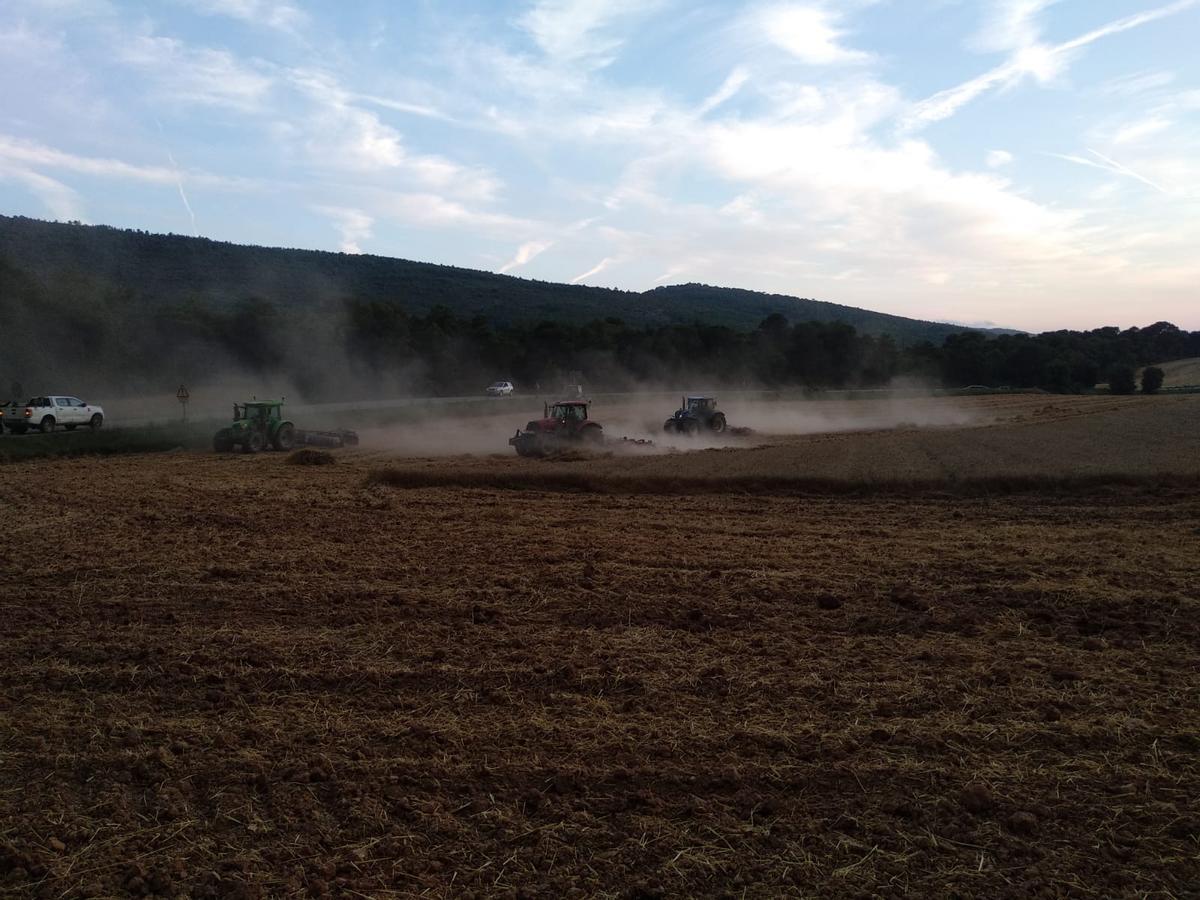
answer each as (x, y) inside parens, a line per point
(47, 413)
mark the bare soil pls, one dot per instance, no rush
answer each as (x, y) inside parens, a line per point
(237, 677)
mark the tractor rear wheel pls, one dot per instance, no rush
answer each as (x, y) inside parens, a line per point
(592, 435)
(669, 426)
(254, 442)
(717, 422)
(285, 437)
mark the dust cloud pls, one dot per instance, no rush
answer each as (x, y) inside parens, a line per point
(641, 418)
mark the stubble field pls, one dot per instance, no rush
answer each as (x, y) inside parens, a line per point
(957, 657)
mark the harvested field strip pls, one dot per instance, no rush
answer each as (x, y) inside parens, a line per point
(580, 482)
(235, 677)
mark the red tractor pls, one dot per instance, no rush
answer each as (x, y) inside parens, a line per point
(562, 424)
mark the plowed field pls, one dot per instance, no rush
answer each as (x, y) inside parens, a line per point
(232, 676)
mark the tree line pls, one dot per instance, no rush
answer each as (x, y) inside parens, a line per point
(77, 338)
(778, 353)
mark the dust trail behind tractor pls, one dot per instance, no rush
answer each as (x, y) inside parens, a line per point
(343, 438)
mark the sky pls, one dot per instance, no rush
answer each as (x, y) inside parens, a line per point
(1027, 163)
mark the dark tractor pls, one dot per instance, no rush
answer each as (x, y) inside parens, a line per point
(695, 415)
(562, 424)
(256, 426)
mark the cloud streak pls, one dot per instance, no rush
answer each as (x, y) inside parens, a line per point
(525, 253)
(1032, 59)
(594, 270)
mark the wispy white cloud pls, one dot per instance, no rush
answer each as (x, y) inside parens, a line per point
(728, 89)
(525, 253)
(435, 211)
(580, 32)
(809, 32)
(404, 106)
(31, 153)
(1136, 84)
(186, 74)
(1106, 164)
(61, 201)
(265, 13)
(1140, 130)
(178, 179)
(343, 135)
(353, 225)
(998, 158)
(1032, 59)
(1009, 25)
(594, 270)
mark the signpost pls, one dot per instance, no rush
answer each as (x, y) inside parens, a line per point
(182, 396)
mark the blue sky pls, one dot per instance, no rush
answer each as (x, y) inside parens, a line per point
(1030, 163)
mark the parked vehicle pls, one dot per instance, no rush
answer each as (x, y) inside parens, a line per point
(47, 413)
(500, 389)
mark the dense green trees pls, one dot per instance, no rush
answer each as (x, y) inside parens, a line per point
(1152, 379)
(175, 269)
(74, 330)
(1121, 380)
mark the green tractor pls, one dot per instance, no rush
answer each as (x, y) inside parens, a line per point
(256, 426)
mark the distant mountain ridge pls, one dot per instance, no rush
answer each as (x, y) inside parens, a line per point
(174, 269)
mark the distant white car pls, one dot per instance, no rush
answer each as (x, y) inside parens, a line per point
(500, 389)
(48, 413)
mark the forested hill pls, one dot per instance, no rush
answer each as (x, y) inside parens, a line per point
(169, 270)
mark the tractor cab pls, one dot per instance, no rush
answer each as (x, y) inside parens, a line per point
(700, 405)
(567, 411)
(257, 411)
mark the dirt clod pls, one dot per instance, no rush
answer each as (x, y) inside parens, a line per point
(307, 456)
(1023, 823)
(976, 799)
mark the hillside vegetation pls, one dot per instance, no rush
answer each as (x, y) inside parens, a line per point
(174, 269)
(91, 310)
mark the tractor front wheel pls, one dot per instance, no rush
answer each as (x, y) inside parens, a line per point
(669, 426)
(285, 437)
(254, 443)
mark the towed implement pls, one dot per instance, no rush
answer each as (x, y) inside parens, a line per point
(259, 425)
